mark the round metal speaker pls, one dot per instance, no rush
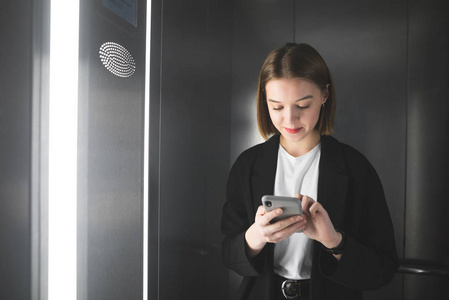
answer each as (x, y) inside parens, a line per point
(117, 59)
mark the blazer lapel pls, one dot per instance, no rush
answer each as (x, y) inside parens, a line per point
(264, 171)
(333, 180)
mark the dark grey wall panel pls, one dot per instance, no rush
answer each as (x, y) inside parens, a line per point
(111, 136)
(365, 46)
(426, 237)
(217, 139)
(259, 27)
(15, 149)
(183, 112)
(193, 136)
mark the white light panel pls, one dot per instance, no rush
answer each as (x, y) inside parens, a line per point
(63, 117)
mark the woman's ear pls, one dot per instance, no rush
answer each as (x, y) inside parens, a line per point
(325, 94)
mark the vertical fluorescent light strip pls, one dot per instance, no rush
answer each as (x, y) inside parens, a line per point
(146, 152)
(64, 41)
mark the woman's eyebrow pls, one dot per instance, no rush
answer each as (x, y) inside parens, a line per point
(303, 98)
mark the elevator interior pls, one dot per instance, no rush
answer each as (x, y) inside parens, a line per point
(389, 60)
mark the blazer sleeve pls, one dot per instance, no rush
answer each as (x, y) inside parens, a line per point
(236, 219)
(370, 259)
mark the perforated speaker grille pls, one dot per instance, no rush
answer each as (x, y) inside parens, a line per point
(117, 59)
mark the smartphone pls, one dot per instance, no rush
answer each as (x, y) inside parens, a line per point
(290, 206)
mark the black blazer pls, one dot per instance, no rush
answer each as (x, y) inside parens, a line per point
(351, 192)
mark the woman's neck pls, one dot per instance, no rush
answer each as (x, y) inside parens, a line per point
(302, 147)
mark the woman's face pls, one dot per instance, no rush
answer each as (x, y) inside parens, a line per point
(294, 106)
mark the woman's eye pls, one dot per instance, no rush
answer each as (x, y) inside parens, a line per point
(302, 107)
(277, 108)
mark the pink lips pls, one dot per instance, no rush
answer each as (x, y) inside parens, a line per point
(292, 130)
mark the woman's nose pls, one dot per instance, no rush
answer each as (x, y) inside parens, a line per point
(291, 116)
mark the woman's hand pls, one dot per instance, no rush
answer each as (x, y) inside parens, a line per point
(263, 232)
(319, 226)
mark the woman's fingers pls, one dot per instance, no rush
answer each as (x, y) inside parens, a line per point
(262, 231)
(319, 226)
(284, 228)
(264, 218)
(280, 230)
(260, 211)
(306, 204)
(315, 208)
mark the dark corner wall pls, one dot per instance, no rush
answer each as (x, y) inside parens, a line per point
(15, 151)
(426, 241)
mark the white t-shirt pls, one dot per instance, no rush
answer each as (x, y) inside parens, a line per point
(293, 256)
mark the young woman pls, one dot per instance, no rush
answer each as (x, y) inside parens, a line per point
(347, 240)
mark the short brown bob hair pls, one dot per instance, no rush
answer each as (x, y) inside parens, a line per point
(295, 61)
